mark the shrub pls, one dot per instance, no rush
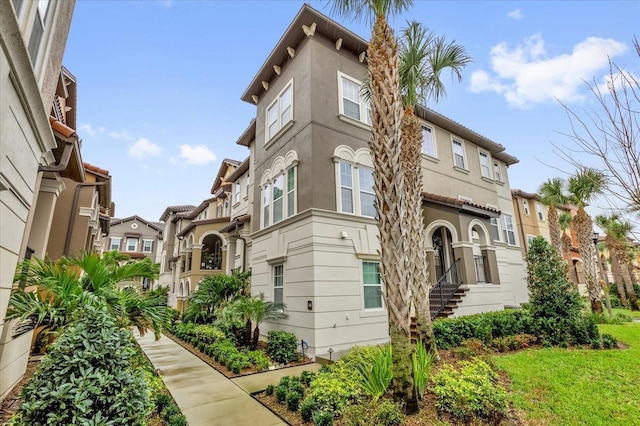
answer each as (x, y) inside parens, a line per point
(321, 418)
(307, 408)
(375, 377)
(387, 413)
(281, 393)
(293, 401)
(269, 390)
(471, 393)
(282, 346)
(87, 377)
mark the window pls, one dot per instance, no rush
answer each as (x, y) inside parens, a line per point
(372, 285)
(280, 112)
(352, 103)
(428, 142)
(236, 192)
(507, 228)
(266, 205)
(346, 187)
(525, 206)
(367, 196)
(132, 244)
(485, 169)
(458, 154)
(496, 171)
(115, 243)
(539, 210)
(278, 283)
(278, 199)
(291, 191)
(147, 246)
(495, 229)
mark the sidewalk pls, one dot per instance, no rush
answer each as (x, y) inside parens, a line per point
(205, 397)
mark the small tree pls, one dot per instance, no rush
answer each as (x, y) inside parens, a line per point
(555, 305)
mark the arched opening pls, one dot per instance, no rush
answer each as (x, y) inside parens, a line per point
(211, 253)
(443, 253)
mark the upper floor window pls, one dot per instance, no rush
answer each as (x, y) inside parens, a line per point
(147, 246)
(507, 228)
(280, 112)
(115, 243)
(428, 142)
(539, 211)
(352, 103)
(497, 173)
(485, 168)
(132, 244)
(525, 206)
(236, 192)
(458, 154)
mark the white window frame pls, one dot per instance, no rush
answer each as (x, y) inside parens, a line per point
(144, 246)
(497, 171)
(508, 230)
(356, 188)
(485, 166)
(455, 142)
(431, 130)
(364, 106)
(280, 121)
(525, 206)
(378, 285)
(277, 272)
(135, 248)
(114, 239)
(539, 211)
(236, 192)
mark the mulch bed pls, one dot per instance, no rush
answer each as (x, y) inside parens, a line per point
(221, 368)
(11, 403)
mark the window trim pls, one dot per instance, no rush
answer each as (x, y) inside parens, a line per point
(487, 155)
(281, 125)
(362, 104)
(379, 285)
(464, 153)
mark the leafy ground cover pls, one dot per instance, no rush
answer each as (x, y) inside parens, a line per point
(558, 386)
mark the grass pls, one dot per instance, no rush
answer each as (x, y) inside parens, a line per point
(557, 386)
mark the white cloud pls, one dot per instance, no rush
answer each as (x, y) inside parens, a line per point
(196, 155)
(121, 135)
(515, 14)
(88, 129)
(526, 75)
(144, 148)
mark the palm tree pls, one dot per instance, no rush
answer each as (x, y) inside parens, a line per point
(55, 290)
(251, 312)
(617, 241)
(583, 186)
(423, 57)
(389, 185)
(552, 194)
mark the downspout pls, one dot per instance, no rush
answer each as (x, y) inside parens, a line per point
(74, 207)
(523, 241)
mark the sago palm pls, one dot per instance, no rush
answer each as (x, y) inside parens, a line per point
(389, 185)
(423, 57)
(552, 194)
(583, 187)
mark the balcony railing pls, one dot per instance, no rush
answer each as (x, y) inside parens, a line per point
(212, 263)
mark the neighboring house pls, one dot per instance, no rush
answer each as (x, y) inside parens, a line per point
(313, 237)
(138, 239)
(36, 148)
(194, 245)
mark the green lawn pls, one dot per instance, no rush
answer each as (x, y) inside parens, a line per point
(578, 386)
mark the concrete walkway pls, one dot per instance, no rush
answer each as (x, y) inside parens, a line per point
(204, 396)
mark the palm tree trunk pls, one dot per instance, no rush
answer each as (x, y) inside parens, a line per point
(617, 275)
(386, 145)
(554, 228)
(418, 275)
(584, 230)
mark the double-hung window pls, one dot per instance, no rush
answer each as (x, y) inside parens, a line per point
(115, 243)
(356, 194)
(372, 285)
(508, 230)
(428, 142)
(539, 211)
(352, 103)
(280, 112)
(458, 154)
(132, 244)
(278, 283)
(485, 168)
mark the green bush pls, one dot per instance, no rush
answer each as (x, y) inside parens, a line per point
(87, 377)
(293, 401)
(307, 409)
(281, 393)
(321, 418)
(471, 393)
(282, 346)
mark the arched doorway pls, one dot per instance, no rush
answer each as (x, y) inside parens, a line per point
(443, 253)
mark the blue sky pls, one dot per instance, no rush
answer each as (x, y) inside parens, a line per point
(159, 82)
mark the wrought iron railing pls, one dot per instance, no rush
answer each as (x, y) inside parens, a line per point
(444, 289)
